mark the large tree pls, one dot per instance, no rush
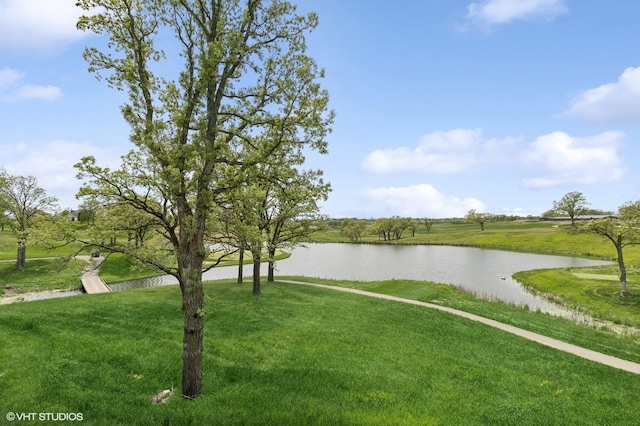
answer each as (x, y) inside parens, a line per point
(24, 201)
(621, 232)
(242, 71)
(573, 204)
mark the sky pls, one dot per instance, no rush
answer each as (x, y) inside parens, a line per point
(442, 106)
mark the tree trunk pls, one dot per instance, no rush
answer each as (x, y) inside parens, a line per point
(193, 339)
(240, 265)
(256, 273)
(190, 258)
(624, 291)
(272, 265)
(21, 258)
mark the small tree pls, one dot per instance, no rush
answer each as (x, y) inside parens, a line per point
(428, 223)
(88, 210)
(623, 231)
(413, 225)
(399, 226)
(353, 228)
(24, 200)
(573, 204)
(478, 217)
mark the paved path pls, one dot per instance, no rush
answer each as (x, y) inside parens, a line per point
(91, 282)
(611, 361)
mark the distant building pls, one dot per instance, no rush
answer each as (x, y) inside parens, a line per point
(73, 215)
(581, 217)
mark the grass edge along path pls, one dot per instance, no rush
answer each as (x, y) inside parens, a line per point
(547, 341)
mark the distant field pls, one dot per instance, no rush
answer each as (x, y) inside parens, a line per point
(532, 236)
(605, 277)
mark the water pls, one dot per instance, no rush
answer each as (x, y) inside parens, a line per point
(485, 273)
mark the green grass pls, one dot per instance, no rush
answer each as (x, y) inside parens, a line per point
(8, 248)
(626, 345)
(42, 274)
(295, 355)
(593, 295)
(118, 267)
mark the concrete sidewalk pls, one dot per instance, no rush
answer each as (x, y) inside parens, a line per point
(598, 357)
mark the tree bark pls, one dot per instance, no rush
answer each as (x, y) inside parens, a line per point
(193, 339)
(624, 291)
(257, 290)
(240, 265)
(21, 258)
(272, 265)
(190, 256)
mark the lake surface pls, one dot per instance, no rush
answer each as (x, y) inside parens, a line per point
(485, 273)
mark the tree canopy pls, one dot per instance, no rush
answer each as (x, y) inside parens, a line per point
(24, 201)
(621, 232)
(243, 89)
(573, 204)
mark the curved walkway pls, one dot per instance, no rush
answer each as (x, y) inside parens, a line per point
(598, 357)
(91, 282)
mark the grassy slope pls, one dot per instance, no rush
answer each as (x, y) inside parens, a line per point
(294, 356)
(8, 249)
(42, 274)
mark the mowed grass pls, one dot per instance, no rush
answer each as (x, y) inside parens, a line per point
(8, 248)
(41, 275)
(625, 345)
(295, 355)
(585, 290)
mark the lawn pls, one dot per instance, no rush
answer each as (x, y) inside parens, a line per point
(590, 290)
(8, 248)
(41, 275)
(295, 355)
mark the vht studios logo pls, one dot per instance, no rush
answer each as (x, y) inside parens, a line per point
(45, 417)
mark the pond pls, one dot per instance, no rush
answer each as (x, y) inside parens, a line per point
(485, 273)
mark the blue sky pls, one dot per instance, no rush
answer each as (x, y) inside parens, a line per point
(442, 105)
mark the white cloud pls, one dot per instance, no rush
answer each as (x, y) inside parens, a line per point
(442, 152)
(38, 24)
(51, 162)
(11, 88)
(8, 78)
(421, 200)
(496, 12)
(558, 159)
(610, 103)
(38, 92)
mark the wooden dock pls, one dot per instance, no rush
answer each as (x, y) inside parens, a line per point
(91, 282)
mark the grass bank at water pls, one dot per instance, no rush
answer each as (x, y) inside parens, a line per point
(586, 290)
(295, 355)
